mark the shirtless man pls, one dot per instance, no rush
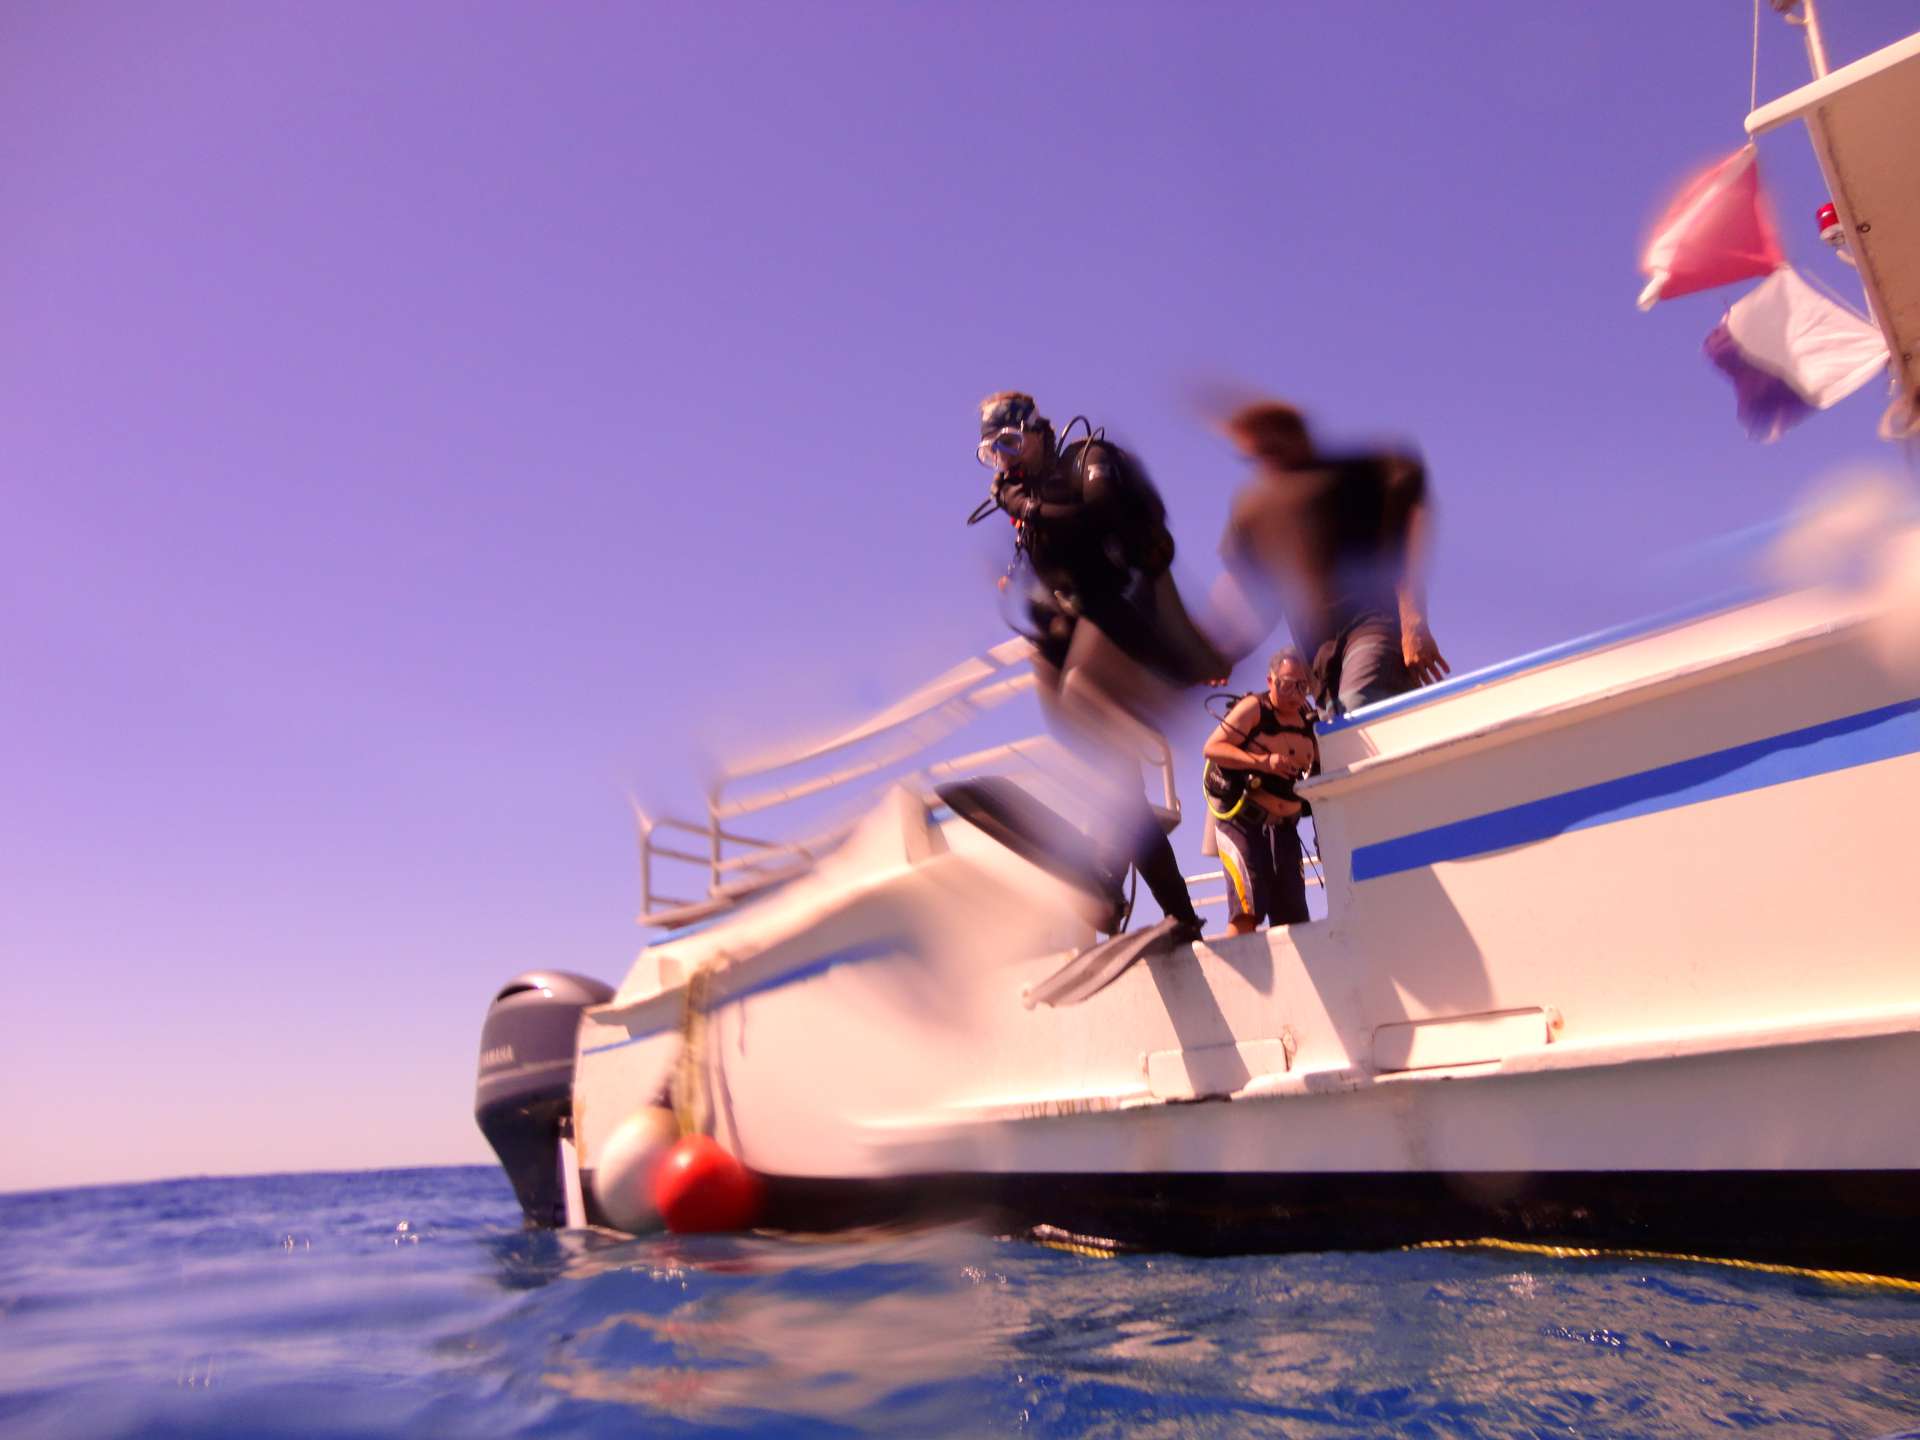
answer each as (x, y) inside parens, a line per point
(1253, 758)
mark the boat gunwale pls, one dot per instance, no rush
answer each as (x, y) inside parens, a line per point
(1594, 642)
(1369, 769)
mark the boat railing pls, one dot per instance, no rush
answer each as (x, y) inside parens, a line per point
(769, 791)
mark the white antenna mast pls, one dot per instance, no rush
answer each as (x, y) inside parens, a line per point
(1809, 22)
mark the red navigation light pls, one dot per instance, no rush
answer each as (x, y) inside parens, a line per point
(1828, 218)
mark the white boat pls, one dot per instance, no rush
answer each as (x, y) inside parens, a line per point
(1619, 948)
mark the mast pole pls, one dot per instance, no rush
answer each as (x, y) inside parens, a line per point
(1816, 43)
(1809, 22)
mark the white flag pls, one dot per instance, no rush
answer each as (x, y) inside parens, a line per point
(1789, 351)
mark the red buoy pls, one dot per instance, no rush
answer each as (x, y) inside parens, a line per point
(699, 1188)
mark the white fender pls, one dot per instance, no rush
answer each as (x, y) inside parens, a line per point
(623, 1174)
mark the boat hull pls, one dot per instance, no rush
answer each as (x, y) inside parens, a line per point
(1786, 1152)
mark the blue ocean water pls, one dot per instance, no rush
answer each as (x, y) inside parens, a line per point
(412, 1303)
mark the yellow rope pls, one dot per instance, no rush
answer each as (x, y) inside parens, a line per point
(1091, 1252)
(1093, 1249)
(1581, 1252)
(1090, 1246)
(692, 1105)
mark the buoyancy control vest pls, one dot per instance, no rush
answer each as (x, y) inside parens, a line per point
(1229, 791)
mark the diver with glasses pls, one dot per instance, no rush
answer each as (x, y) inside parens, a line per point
(1112, 642)
(1262, 746)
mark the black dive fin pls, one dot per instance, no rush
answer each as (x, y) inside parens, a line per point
(1091, 970)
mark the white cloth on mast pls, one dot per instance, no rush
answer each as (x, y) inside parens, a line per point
(1790, 351)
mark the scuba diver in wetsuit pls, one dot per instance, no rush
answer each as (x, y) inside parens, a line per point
(1093, 531)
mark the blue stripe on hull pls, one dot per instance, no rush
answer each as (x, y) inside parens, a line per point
(1842, 744)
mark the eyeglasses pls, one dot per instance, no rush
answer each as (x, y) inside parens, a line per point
(1288, 682)
(1004, 445)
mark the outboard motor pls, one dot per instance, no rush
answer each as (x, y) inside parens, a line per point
(523, 1099)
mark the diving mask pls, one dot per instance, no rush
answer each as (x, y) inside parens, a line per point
(1000, 450)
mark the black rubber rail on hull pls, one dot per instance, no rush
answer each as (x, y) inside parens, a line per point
(1856, 1221)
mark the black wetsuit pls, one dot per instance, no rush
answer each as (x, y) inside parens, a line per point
(1094, 530)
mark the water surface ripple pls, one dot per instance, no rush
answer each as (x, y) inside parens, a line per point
(412, 1303)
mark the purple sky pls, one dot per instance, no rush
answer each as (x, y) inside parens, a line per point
(424, 424)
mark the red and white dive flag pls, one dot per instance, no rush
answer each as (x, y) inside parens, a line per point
(1790, 351)
(1715, 232)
